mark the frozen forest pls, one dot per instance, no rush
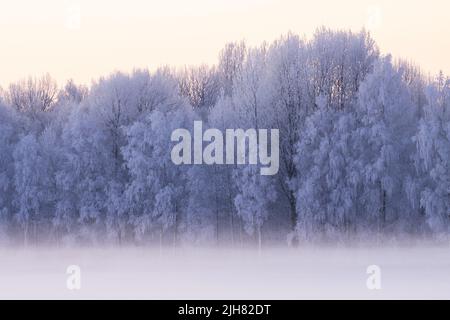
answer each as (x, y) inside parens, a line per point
(364, 151)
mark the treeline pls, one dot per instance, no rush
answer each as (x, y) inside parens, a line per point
(364, 150)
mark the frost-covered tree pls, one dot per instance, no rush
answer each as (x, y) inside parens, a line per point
(231, 60)
(433, 144)
(201, 86)
(252, 107)
(206, 203)
(387, 125)
(72, 93)
(327, 70)
(356, 165)
(8, 139)
(83, 176)
(327, 185)
(256, 193)
(35, 185)
(148, 160)
(287, 84)
(33, 98)
(338, 62)
(217, 182)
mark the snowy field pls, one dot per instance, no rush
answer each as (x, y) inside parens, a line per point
(312, 273)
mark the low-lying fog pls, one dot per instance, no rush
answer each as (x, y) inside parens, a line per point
(302, 273)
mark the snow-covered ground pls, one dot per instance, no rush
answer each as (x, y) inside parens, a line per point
(308, 273)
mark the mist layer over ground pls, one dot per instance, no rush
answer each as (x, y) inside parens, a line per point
(302, 273)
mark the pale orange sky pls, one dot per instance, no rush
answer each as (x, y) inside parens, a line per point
(84, 39)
